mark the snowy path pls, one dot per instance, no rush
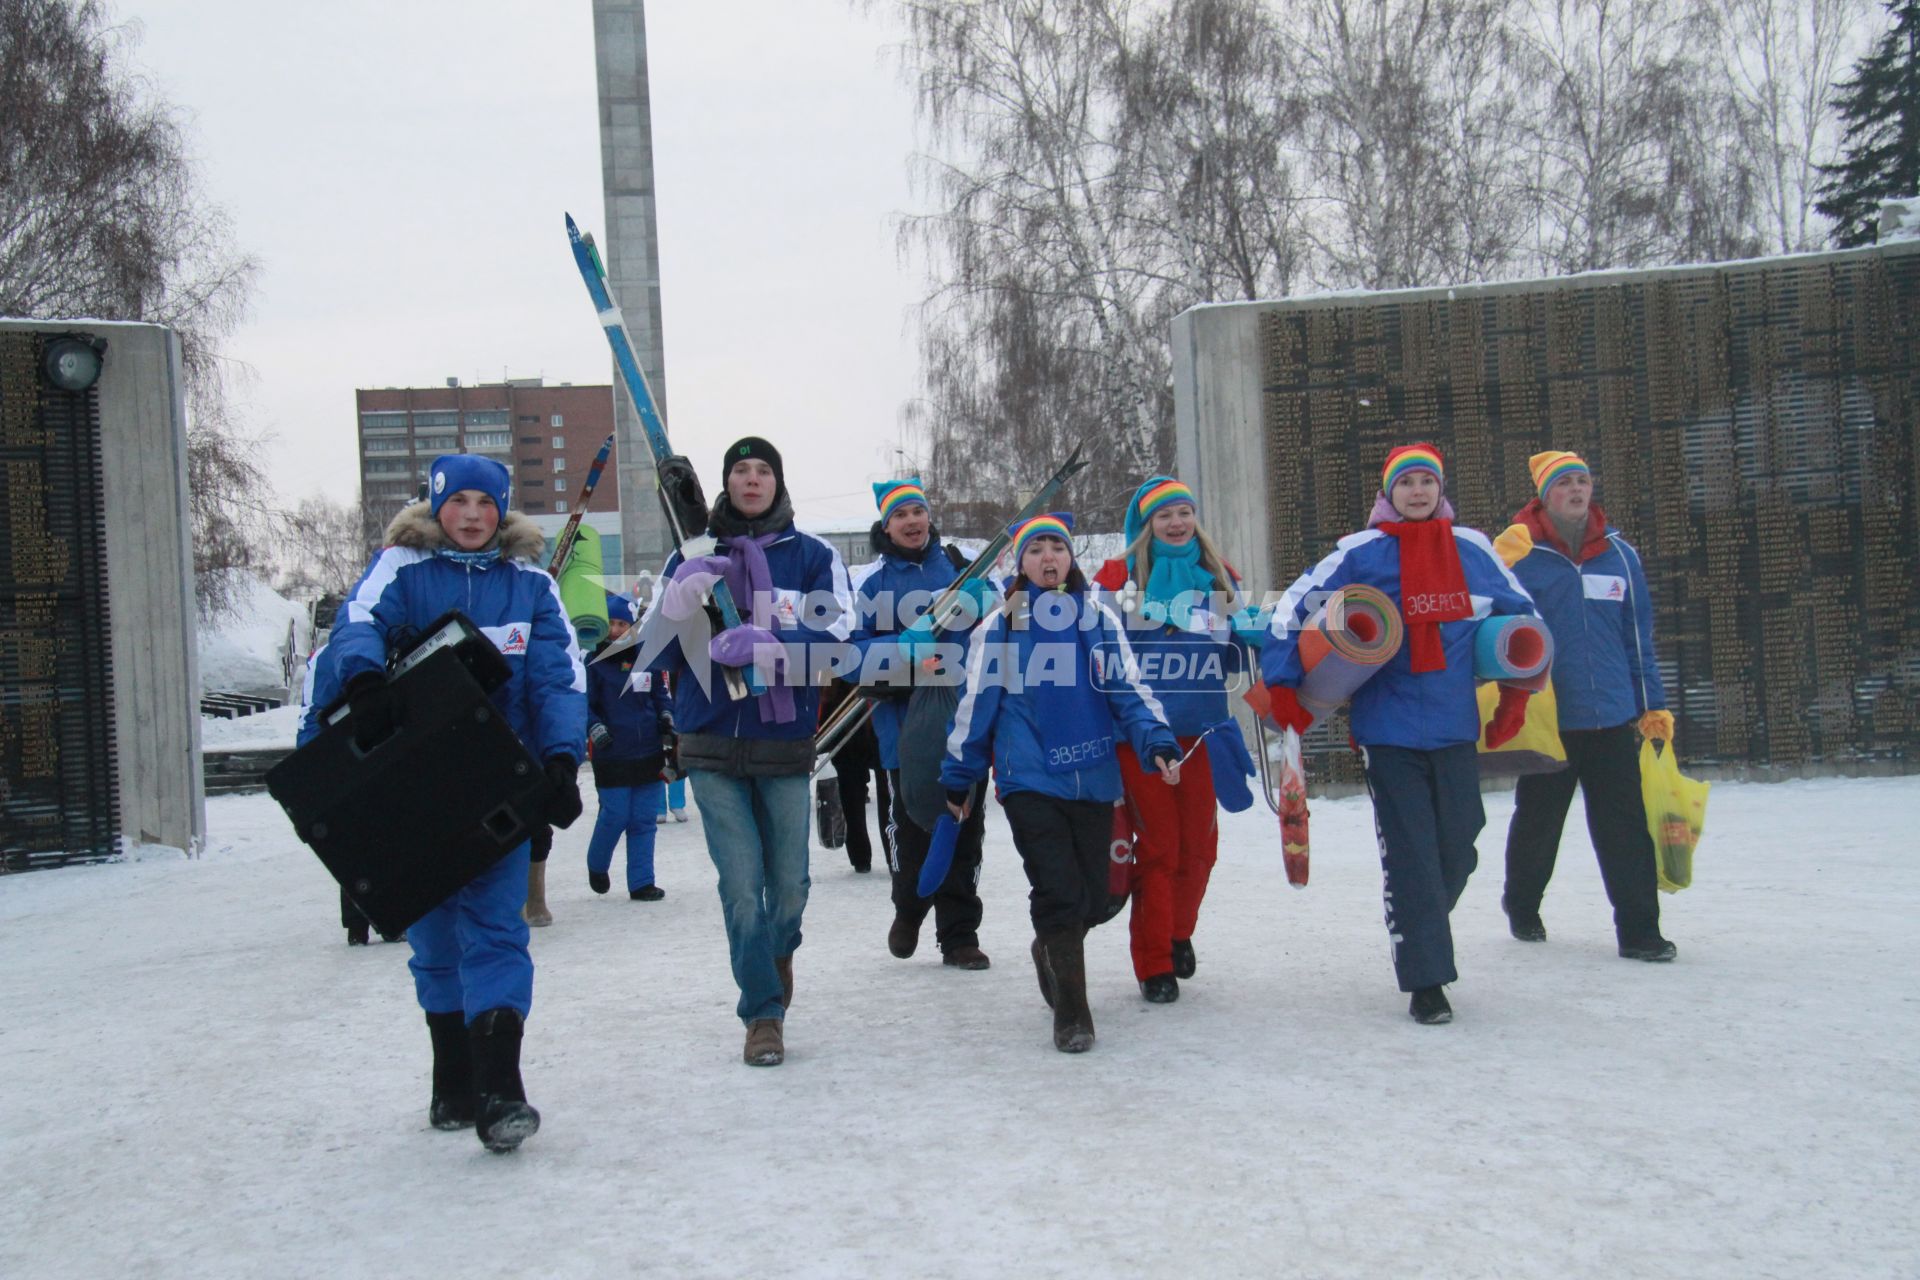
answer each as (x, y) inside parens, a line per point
(202, 1080)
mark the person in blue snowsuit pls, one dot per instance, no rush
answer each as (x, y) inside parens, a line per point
(749, 758)
(910, 569)
(1416, 720)
(1051, 688)
(1590, 587)
(463, 549)
(629, 731)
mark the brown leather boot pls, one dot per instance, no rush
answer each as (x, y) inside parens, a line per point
(1072, 1019)
(766, 1045)
(535, 912)
(783, 966)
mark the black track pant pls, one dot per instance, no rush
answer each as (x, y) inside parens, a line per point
(1427, 813)
(1605, 763)
(853, 806)
(956, 903)
(1064, 845)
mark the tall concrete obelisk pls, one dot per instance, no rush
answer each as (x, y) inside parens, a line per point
(631, 249)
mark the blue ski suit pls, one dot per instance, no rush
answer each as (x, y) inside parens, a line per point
(470, 952)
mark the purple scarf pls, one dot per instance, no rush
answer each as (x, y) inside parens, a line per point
(751, 583)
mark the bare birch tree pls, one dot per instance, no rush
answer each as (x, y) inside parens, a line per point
(1782, 60)
(101, 214)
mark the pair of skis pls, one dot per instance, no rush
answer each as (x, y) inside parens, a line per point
(593, 273)
(854, 713)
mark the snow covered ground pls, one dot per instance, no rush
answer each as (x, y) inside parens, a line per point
(203, 1080)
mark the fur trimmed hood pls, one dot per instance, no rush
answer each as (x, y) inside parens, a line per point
(518, 537)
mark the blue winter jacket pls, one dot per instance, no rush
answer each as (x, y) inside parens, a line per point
(629, 701)
(1604, 672)
(998, 725)
(1396, 707)
(890, 594)
(810, 585)
(1189, 671)
(513, 601)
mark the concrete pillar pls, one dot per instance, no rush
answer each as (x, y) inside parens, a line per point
(630, 247)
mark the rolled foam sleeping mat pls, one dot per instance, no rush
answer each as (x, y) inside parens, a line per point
(1516, 651)
(582, 591)
(1344, 643)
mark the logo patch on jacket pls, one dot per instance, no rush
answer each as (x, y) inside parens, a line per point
(1604, 586)
(509, 638)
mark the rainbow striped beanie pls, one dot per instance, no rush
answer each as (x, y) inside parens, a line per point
(1552, 465)
(1411, 457)
(891, 495)
(1160, 491)
(1055, 524)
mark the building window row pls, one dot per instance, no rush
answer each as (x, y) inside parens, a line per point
(489, 439)
(435, 420)
(487, 418)
(383, 422)
(435, 444)
(389, 446)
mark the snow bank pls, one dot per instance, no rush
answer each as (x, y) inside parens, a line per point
(209, 1083)
(275, 728)
(242, 653)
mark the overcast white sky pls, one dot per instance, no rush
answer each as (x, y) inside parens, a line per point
(401, 168)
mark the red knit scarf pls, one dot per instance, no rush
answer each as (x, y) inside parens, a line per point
(1433, 587)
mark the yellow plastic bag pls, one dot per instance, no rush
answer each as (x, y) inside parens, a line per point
(1676, 814)
(1535, 749)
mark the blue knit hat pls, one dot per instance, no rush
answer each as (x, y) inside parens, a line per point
(452, 472)
(618, 606)
(1160, 491)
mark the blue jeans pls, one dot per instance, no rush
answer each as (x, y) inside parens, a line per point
(470, 952)
(627, 811)
(757, 837)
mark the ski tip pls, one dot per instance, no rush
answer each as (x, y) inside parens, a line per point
(572, 226)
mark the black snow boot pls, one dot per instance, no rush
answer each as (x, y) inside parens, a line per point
(1183, 960)
(359, 934)
(1042, 972)
(502, 1117)
(1161, 988)
(452, 1105)
(599, 881)
(1524, 925)
(1429, 1006)
(1072, 1019)
(1656, 950)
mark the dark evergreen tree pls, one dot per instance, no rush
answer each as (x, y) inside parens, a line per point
(1880, 150)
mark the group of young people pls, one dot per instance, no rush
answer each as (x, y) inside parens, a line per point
(1052, 708)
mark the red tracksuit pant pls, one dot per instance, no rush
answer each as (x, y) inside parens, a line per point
(1177, 841)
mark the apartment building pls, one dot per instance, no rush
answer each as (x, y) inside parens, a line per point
(547, 436)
